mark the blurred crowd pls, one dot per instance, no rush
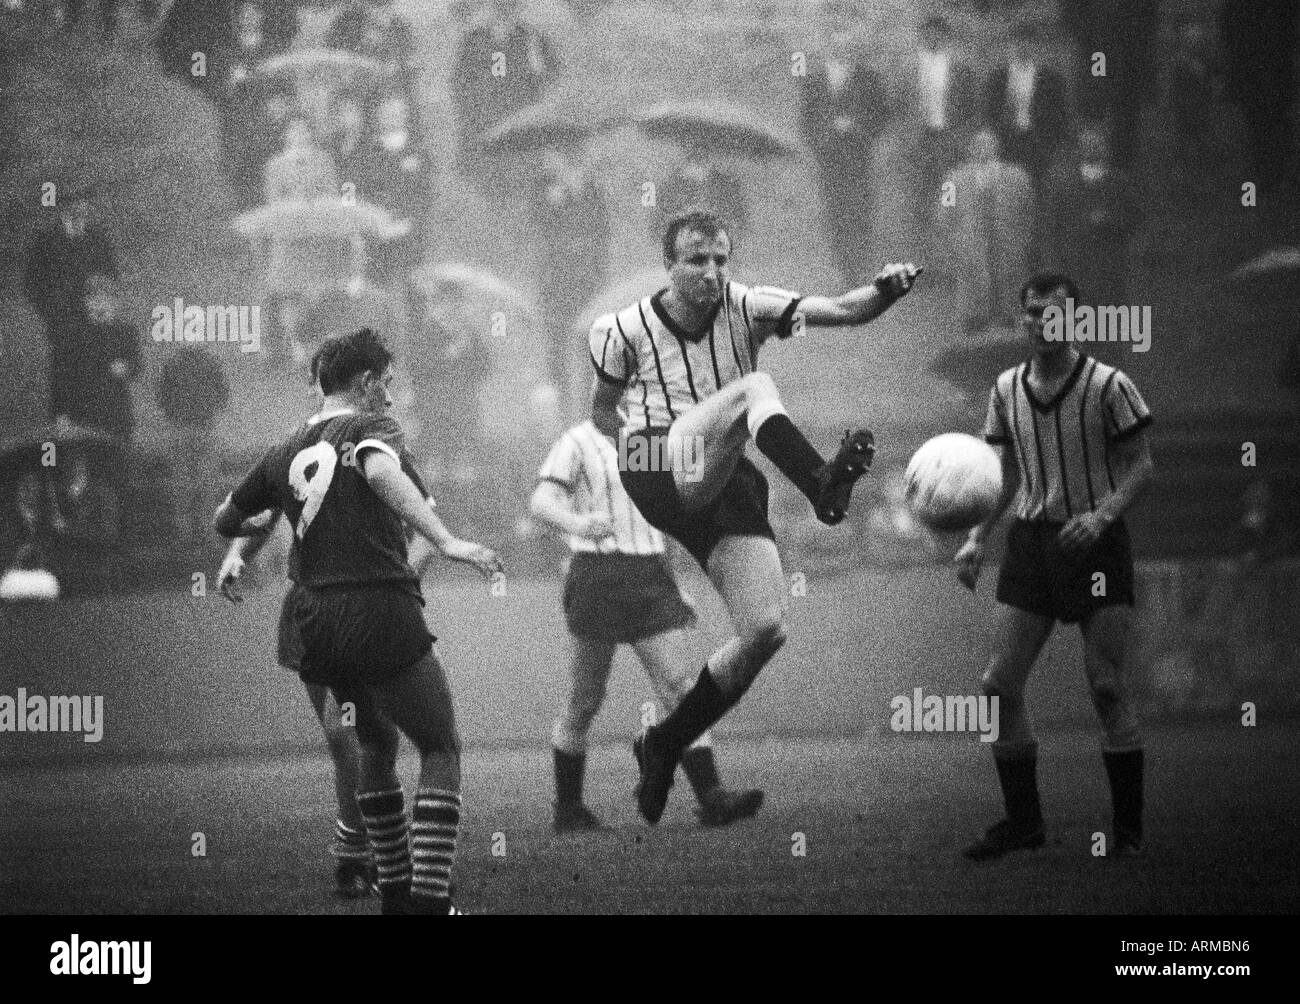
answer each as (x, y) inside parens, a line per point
(992, 163)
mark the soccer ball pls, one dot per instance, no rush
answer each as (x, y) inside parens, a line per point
(953, 482)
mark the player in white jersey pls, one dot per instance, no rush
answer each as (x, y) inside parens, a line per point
(619, 589)
(679, 388)
(1072, 432)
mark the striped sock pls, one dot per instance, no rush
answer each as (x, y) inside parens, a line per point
(433, 842)
(350, 843)
(384, 813)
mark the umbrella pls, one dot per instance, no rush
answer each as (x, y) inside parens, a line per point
(717, 127)
(1277, 262)
(972, 362)
(473, 282)
(569, 114)
(329, 217)
(13, 448)
(332, 68)
(620, 294)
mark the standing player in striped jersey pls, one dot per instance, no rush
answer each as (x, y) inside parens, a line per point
(619, 589)
(684, 364)
(1072, 432)
(339, 481)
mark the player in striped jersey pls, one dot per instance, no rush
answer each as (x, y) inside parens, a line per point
(683, 364)
(619, 589)
(1072, 432)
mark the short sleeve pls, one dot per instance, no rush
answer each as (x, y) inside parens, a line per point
(610, 355)
(562, 463)
(255, 493)
(996, 430)
(768, 311)
(379, 432)
(1126, 412)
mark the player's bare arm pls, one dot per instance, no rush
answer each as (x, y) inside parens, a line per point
(864, 304)
(970, 558)
(1134, 454)
(605, 398)
(397, 491)
(553, 505)
(242, 551)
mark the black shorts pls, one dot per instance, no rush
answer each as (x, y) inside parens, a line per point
(358, 635)
(622, 597)
(1039, 577)
(740, 509)
(288, 642)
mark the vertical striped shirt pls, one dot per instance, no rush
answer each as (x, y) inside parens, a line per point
(585, 463)
(1065, 447)
(665, 369)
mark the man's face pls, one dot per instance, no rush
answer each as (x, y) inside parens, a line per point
(699, 270)
(1032, 320)
(75, 217)
(375, 394)
(101, 307)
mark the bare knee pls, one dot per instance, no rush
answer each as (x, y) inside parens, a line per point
(996, 679)
(758, 385)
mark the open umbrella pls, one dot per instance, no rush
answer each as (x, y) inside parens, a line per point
(1278, 262)
(332, 68)
(571, 113)
(472, 282)
(16, 447)
(716, 126)
(330, 217)
(971, 362)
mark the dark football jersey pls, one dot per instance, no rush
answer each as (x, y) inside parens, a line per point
(342, 532)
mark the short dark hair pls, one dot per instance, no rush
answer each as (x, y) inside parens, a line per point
(705, 221)
(1042, 283)
(343, 358)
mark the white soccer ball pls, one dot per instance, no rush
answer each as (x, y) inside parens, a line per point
(953, 482)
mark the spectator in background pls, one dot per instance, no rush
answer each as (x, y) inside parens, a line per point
(233, 35)
(344, 141)
(393, 171)
(570, 209)
(1259, 38)
(1194, 85)
(449, 362)
(844, 107)
(1025, 104)
(941, 102)
(260, 138)
(1092, 212)
(1124, 32)
(500, 67)
(376, 31)
(302, 171)
(990, 226)
(192, 392)
(59, 262)
(90, 386)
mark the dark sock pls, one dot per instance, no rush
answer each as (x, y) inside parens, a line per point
(389, 833)
(784, 445)
(569, 768)
(701, 770)
(1125, 773)
(1019, 779)
(698, 711)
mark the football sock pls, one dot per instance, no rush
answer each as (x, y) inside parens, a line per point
(385, 816)
(1125, 773)
(434, 823)
(1019, 778)
(698, 710)
(569, 768)
(795, 457)
(701, 770)
(350, 842)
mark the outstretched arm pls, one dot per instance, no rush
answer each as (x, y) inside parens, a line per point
(866, 303)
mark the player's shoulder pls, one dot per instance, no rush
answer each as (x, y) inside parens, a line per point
(1006, 380)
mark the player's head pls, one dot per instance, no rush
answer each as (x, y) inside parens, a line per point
(1042, 291)
(356, 367)
(697, 250)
